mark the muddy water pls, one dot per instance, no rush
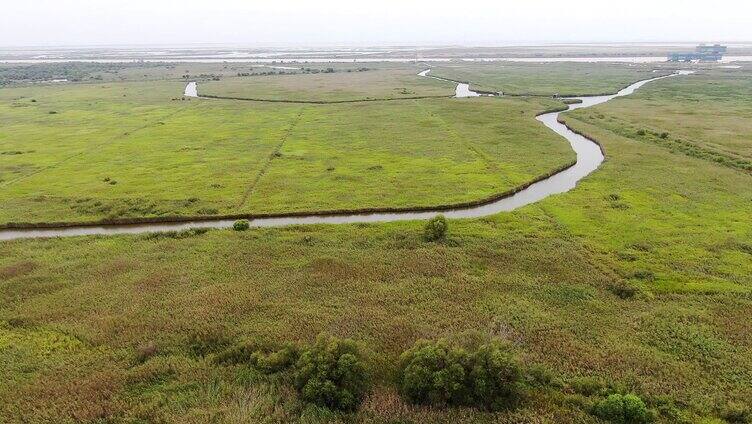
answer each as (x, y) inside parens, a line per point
(589, 158)
(191, 90)
(462, 90)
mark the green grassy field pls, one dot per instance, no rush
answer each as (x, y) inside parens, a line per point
(565, 79)
(137, 149)
(674, 115)
(639, 279)
(376, 83)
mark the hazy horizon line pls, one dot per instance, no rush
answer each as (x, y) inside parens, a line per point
(407, 45)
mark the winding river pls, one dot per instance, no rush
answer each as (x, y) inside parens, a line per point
(589, 158)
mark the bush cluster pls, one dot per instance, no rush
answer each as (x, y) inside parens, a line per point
(436, 228)
(241, 225)
(737, 413)
(441, 374)
(623, 409)
(332, 373)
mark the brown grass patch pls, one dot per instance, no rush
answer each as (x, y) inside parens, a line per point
(16, 270)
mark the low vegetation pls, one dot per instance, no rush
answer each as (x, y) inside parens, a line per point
(436, 228)
(623, 409)
(622, 300)
(331, 373)
(548, 79)
(388, 83)
(440, 374)
(126, 150)
(241, 225)
(706, 116)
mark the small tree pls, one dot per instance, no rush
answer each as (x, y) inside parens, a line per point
(440, 374)
(623, 409)
(332, 373)
(436, 228)
(433, 373)
(241, 225)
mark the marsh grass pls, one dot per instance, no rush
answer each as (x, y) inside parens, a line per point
(144, 155)
(74, 311)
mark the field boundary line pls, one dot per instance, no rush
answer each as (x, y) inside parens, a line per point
(249, 191)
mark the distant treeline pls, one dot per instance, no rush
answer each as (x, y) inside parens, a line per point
(299, 71)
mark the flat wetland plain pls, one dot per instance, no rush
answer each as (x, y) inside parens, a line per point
(640, 278)
(546, 79)
(119, 150)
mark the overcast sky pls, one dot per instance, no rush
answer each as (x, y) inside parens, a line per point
(372, 22)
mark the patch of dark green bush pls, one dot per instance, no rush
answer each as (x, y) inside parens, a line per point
(613, 197)
(332, 373)
(241, 225)
(443, 374)
(207, 211)
(587, 386)
(624, 290)
(737, 413)
(623, 409)
(193, 232)
(260, 356)
(204, 341)
(664, 135)
(644, 274)
(626, 256)
(541, 376)
(436, 228)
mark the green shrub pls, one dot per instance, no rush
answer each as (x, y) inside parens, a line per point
(241, 225)
(541, 376)
(260, 357)
(587, 386)
(624, 290)
(332, 374)
(207, 340)
(737, 413)
(644, 274)
(622, 409)
(191, 232)
(440, 374)
(613, 197)
(436, 228)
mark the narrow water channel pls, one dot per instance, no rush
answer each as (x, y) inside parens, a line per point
(589, 158)
(191, 90)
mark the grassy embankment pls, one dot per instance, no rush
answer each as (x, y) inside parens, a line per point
(87, 152)
(640, 277)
